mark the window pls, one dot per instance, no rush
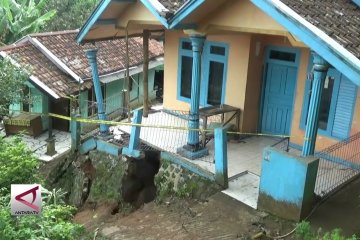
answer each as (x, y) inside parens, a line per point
(336, 106)
(282, 56)
(216, 72)
(325, 102)
(214, 63)
(185, 69)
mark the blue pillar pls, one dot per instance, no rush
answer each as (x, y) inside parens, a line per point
(134, 144)
(91, 55)
(320, 71)
(221, 161)
(197, 46)
(193, 149)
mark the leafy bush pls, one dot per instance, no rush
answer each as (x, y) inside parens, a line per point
(17, 165)
(54, 223)
(303, 232)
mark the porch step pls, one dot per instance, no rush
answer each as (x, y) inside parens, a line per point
(244, 187)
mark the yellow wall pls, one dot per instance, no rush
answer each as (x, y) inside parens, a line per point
(239, 45)
(245, 69)
(171, 49)
(253, 86)
(238, 15)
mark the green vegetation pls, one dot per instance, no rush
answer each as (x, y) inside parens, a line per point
(70, 14)
(11, 78)
(21, 17)
(17, 165)
(303, 232)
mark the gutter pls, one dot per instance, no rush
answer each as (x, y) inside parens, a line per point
(44, 87)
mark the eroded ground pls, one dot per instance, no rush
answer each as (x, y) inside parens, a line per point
(220, 217)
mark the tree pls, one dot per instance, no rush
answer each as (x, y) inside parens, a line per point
(21, 17)
(11, 78)
(70, 15)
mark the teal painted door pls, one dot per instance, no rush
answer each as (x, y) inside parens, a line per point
(278, 98)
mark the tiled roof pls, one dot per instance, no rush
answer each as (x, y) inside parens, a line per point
(41, 67)
(111, 55)
(173, 5)
(111, 58)
(339, 19)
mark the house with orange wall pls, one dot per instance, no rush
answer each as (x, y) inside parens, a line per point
(291, 67)
(256, 56)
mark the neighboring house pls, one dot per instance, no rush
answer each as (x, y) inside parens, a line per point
(256, 56)
(59, 68)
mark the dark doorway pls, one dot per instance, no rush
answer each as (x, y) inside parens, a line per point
(159, 84)
(60, 107)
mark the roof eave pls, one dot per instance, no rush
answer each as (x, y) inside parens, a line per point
(184, 12)
(33, 78)
(90, 22)
(317, 40)
(357, 2)
(155, 62)
(155, 11)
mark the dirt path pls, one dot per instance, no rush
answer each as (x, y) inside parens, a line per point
(220, 217)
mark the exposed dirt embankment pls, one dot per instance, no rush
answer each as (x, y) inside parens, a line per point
(98, 178)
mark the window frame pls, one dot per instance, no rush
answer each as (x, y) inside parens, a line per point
(182, 53)
(334, 100)
(206, 58)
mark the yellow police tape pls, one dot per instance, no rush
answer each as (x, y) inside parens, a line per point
(115, 123)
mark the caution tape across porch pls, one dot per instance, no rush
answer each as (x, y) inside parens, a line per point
(117, 123)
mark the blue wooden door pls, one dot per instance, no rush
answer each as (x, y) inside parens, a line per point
(278, 98)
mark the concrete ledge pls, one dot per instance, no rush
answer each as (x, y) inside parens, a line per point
(88, 145)
(287, 184)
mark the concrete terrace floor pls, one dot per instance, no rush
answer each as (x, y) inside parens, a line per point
(244, 157)
(38, 145)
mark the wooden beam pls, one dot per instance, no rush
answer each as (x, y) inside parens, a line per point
(146, 35)
(127, 73)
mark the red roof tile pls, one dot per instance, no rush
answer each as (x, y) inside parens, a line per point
(111, 56)
(41, 67)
